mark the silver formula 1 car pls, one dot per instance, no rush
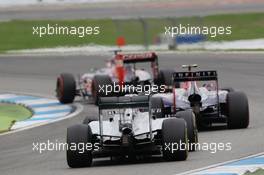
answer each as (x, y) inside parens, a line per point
(128, 126)
(121, 70)
(199, 92)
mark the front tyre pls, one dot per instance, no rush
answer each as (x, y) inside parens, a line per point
(66, 88)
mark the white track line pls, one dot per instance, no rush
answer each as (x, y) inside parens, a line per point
(230, 169)
(191, 172)
(51, 108)
(5, 96)
(51, 115)
(36, 102)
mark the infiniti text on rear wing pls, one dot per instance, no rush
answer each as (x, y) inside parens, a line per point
(195, 76)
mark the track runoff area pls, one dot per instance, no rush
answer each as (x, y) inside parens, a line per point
(30, 111)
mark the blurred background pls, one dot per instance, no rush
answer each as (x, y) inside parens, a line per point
(139, 22)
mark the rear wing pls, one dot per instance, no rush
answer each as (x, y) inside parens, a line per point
(144, 57)
(195, 76)
(123, 102)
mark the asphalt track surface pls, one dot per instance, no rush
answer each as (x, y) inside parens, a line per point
(176, 8)
(37, 75)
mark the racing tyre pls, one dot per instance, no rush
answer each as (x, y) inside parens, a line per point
(192, 130)
(165, 78)
(101, 81)
(158, 107)
(87, 120)
(79, 134)
(66, 88)
(237, 110)
(174, 139)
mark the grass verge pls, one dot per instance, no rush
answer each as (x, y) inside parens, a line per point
(10, 113)
(17, 34)
(258, 172)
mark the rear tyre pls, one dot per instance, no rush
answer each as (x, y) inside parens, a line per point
(100, 81)
(66, 88)
(192, 130)
(79, 134)
(157, 106)
(165, 78)
(174, 139)
(237, 110)
(87, 120)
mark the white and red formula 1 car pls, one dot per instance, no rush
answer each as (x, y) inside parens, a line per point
(121, 70)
